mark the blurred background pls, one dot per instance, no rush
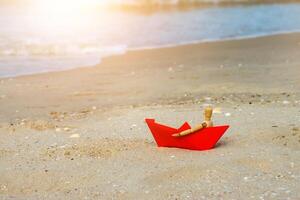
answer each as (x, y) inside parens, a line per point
(51, 35)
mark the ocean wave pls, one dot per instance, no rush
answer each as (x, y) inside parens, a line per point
(28, 59)
(37, 46)
(39, 49)
(184, 2)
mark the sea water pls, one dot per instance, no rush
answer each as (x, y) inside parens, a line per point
(36, 39)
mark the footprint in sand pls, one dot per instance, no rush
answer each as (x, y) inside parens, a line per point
(85, 93)
(60, 116)
(104, 148)
(38, 125)
(5, 152)
(290, 138)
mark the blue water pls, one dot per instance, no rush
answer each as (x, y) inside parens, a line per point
(34, 40)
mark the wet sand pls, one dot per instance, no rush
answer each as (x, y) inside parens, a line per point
(80, 134)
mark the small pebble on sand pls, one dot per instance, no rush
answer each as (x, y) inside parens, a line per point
(227, 114)
(285, 102)
(75, 136)
(207, 98)
(3, 187)
(217, 110)
(67, 129)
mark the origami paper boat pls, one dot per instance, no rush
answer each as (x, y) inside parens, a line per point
(201, 140)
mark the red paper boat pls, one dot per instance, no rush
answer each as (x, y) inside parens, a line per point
(201, 140)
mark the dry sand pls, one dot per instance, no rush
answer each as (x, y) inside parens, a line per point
(80, 134)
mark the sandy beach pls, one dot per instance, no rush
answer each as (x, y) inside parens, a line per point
(80, 134)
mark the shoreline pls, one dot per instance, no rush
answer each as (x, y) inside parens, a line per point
(198, 42)
(183, 44)
(233, 67)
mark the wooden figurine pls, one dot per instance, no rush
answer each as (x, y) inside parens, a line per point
(206, 123)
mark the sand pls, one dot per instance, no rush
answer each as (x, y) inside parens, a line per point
(80, 134)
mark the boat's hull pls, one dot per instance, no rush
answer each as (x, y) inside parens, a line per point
(201, 140)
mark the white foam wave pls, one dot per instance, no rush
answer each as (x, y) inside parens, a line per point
(28, 60)
(29, 48)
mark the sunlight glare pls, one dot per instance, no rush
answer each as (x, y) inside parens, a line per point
(64, 14)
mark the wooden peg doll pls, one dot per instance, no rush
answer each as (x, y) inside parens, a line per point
(206, 123)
